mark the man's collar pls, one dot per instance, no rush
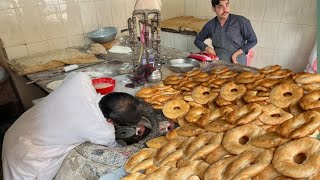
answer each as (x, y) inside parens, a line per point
(217, 20)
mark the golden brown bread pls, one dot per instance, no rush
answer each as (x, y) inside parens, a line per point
(190, 130)
(216, 155)
(248, 164)
(231, 91)
(300, 126)
(244, 114)
(141, 160)
(202, 145)
(172, 151)
(216, 170)
(273, 115)
(285, 94)
(237, 140)
(197, 168)
(175, 108)
(299, 158)
(157, 143)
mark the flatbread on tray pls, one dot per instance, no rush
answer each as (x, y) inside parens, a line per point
(49, 60)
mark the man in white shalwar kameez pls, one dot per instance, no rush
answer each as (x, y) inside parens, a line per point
(35, 146)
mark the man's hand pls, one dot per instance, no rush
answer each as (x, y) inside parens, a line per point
(235, 55)
(210, 50)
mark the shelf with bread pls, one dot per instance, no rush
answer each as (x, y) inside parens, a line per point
(234, 125)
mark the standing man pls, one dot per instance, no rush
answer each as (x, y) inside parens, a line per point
(232, 35)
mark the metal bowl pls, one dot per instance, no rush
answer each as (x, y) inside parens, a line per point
(103, 34)
(182, 65)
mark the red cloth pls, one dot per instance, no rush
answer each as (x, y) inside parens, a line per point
(203, 56)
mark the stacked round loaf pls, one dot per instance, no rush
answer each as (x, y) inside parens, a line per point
(248, 125)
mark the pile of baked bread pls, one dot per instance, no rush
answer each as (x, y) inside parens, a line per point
(249, 125)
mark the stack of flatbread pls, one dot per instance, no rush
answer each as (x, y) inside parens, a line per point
(49, 60)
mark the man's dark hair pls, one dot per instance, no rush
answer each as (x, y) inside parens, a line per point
(122, 108)
(215, 2)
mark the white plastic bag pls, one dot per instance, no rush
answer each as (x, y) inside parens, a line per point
(312, 66)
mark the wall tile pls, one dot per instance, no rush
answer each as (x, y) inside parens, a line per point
(257, 26)
(181, 4)
(292, 11)
(170, 39)
(296, 62)
(240, 7)
(118, 13)
(164, 11)
(129, 8)
(24, 3)
(77, 40)
(38, 47)
(80, 1)
(263, 57)
(47, 2)
(167, 9)
(204, 9)
(257, 10)
(283, 57)
(172, 9)
(31, 24)
(269, 34)
(87, 40)
(299, 62)
(274, 9)
(191, 6)
(191, 47)
(180, 42)
(305, 38)
(164, 39)
(66, 1)
(88, 13)
(15, 52)
(309, 12)
(71, 18)
(55, 44)
(10, 31)
(286, 36)
(6, 4)
(104, 13)
(52, 22)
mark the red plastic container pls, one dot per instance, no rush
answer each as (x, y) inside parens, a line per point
(104, 85)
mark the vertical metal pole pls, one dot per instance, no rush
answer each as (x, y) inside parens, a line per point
(146, 35)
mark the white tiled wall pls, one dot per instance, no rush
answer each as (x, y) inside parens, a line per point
(286, 29)
(31, 26)
(181, 42)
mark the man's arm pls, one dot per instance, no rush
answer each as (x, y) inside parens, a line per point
(202, 36)
(249, 35)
